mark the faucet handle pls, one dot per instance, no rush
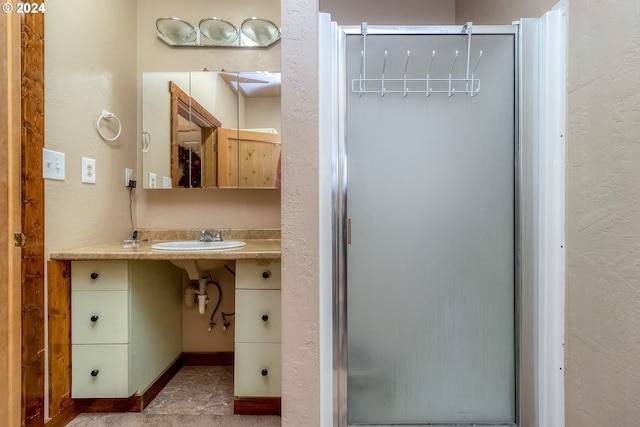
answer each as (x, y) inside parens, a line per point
(218, 234)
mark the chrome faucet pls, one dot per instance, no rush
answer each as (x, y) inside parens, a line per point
(210, 236)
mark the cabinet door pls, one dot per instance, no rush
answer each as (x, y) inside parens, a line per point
(257, 315)
(257, 370)
(99, 317)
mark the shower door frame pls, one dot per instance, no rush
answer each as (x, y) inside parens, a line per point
(340, 194)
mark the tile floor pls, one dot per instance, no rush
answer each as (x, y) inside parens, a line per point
(197, 396)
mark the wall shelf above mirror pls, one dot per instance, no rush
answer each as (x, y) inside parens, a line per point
(211, 130)
(217, 32)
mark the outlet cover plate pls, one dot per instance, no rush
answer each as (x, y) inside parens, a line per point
(88, 170)
(52, 165)
(166, 182)
(152, 180)
(128, 176)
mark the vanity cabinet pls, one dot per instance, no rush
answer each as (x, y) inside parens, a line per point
(125, 325)
(258, 364)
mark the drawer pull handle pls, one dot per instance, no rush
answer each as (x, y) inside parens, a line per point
(266, 274)
(264, 372)
(94, 276)
(265, 317)
(94, 318)
(95, 373)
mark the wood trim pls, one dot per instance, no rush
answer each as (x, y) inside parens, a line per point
(59, 293)
(10, 215)
(257, 406)
(222, 358)
(32, 116)
(155, 388)
(63, 417)
(184, 105)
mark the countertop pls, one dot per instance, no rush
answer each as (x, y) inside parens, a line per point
(254, 249)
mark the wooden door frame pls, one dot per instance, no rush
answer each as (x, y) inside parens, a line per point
(10, 214)
(22, 308)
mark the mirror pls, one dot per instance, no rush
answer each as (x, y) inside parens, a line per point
(211, 130)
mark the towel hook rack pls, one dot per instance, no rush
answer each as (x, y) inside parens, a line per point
(470, 84)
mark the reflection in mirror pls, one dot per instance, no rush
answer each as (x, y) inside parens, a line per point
(211, 130)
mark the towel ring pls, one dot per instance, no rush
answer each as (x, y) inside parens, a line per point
(108, 115)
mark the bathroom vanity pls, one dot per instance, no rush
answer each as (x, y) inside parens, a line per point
(115, 325)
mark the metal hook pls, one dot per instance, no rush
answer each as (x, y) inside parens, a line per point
(360, 85)
(406, 66)
(473, 77)
(428, 89)
(452, 90)
(384, 65)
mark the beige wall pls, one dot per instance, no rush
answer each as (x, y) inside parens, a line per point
(403, 12)
(603, 227)
(89, 67)
(492, 12)
(300, 310)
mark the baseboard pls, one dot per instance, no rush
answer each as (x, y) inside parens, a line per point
(63, 417)
(221, 358)
(257, 406)
(154, 389)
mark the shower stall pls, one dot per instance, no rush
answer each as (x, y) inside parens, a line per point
(428, 227)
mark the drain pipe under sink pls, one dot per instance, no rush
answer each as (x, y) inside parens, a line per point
(202, 295)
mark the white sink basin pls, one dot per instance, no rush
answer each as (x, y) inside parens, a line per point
(195, 245)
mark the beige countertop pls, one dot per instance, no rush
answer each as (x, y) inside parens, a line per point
(254, 249)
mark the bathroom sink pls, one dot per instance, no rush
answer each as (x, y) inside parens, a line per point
(195, 245)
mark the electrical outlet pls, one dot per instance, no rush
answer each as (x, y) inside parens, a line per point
(152, 180)
(52, 164)
(128, 176)
(166, 182)
(88, 170)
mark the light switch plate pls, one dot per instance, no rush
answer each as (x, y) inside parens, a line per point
(88, 170)
(52, 164)
(166, 182)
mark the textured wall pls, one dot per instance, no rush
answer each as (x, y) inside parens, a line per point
(89, 67)
(603, 206)
(300, 381)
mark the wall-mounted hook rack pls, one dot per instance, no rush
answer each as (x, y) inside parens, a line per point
(469, 85)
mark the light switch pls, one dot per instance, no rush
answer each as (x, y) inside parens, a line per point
(88, 170)
(52, 164)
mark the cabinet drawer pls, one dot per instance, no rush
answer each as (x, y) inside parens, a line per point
(99, 317)
(100, 371)
(99, 275)
(257, 315)
(258, 274)
(257, 370)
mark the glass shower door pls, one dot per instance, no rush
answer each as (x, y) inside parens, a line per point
(430, 263)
